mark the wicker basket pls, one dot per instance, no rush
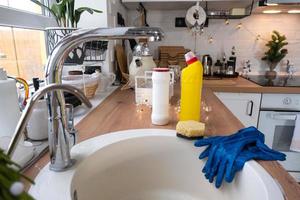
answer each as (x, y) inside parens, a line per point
(90, 90)
(88, 84)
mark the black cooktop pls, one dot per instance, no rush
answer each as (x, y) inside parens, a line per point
(278, 81)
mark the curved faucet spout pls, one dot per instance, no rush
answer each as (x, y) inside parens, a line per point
(72, 40)
(60, 158)
(30, 106)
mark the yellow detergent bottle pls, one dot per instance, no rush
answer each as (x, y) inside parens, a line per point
(191, 88)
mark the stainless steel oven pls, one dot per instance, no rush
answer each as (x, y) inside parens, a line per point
(277, 121)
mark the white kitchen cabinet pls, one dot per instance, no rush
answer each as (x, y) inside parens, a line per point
(244, 106)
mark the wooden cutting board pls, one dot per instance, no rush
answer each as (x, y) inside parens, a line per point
(122, 60)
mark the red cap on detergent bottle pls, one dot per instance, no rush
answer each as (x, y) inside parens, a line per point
(190, 58)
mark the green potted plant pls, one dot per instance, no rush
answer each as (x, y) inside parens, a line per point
(65, 13)
(275, 53)
(11, 187)
(67, 18)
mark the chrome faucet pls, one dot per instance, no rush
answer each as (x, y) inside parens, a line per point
(58, 133)
(21, 126)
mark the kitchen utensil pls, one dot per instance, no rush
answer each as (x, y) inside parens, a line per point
(207, 64)
(177, 71)
(230, 67)
(142, 61)
(169, 55)
(217, 68)
(122, 61)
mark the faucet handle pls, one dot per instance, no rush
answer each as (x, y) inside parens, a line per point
(72, 138)
(70, 124)
(70, 116)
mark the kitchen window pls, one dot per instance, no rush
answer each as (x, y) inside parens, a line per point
(25, 5)
(22, 38)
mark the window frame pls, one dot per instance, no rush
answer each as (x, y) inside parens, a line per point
(15, 18)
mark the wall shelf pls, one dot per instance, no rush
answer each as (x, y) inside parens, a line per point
(226, 16)
(217, 6)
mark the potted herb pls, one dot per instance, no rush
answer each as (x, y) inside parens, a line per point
(275, 53)
(67, 18)
(10, 186)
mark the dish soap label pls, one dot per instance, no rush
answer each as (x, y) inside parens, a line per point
(191, 88)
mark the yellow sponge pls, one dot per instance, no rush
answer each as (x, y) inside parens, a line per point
(190, 129)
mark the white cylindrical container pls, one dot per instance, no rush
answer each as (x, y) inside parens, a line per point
(160, 96)
(9, 106)
(37, 126)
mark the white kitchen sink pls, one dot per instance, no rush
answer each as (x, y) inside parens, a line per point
(147, 164)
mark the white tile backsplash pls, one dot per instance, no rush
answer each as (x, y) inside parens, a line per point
(226, 36)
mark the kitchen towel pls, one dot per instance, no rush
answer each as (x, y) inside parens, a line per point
(295, 145)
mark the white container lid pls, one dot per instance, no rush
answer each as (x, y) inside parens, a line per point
(161, 69)
(188, 56)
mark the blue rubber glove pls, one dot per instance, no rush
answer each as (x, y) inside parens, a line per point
(218, 142)
(222, 156)
(219, 139)
(224, 153)
(259, 152)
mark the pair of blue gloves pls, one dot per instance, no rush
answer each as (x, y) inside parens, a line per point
(227, 155)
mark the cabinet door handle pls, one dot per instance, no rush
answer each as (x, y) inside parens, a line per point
(250, 104)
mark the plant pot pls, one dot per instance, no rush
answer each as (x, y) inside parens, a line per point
(55, 34)
(271, 75)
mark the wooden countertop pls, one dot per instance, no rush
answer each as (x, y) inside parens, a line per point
(243, 85)
(119, 112)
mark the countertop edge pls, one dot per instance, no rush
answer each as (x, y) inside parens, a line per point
(120, 99)
(242, 85)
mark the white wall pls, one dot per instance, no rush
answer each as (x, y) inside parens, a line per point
(226, 36)
(113, 7)
(97, 19)
(106, 19)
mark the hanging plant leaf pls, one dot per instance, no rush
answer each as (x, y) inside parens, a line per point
(57, 9)
(70, 12)
(60, 9)
(44, 6)
(81, 10)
